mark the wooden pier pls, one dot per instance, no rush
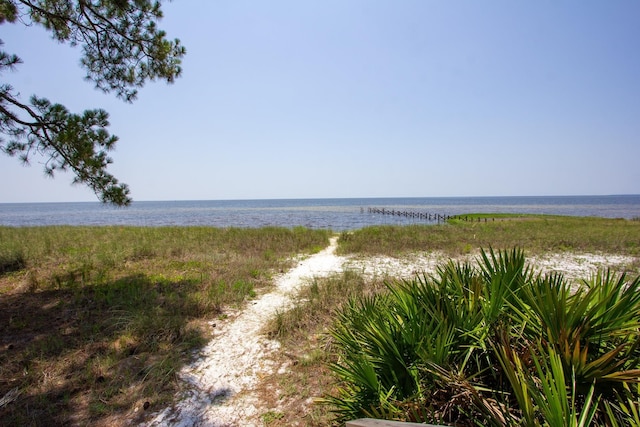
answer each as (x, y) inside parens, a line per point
(425, 216)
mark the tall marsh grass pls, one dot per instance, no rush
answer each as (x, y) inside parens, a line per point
(535, 233)
(96, 321)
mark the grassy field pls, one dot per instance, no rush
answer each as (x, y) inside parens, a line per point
(304, 330)
(535, 234)
(96, 321)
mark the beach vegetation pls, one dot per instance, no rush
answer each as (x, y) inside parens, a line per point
(11, 260)
(536, 233)
(310, 325)
(97, 321)
(308, 348)
(491, 343)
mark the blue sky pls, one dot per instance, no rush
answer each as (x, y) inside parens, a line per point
(363, 98)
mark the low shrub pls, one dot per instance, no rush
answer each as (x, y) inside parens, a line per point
(492, 343)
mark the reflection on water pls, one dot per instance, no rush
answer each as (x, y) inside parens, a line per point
(335, 214)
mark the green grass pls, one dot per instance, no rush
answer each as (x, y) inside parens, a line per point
(11, 259)
(96, 321)
(479, 217)
(535, 233)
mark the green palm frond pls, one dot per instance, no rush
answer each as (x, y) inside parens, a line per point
(495, 344)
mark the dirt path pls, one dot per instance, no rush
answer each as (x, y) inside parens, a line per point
(219, 384)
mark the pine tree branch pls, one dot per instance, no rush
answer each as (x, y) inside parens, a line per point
(121, 49)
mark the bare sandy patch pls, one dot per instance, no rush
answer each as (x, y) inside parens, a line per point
(576, 266)
(573, 266)
(405, 267)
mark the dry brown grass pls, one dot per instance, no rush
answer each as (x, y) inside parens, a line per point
(97, 322)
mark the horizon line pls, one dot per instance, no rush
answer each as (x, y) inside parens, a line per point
(335, 198)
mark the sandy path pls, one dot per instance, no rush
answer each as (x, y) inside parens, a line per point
(220, 382)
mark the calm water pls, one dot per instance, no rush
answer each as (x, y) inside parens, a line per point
(335, 214)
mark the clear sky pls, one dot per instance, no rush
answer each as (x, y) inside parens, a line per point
(363, 98)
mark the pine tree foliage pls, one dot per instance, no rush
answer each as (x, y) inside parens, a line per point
(122, 49)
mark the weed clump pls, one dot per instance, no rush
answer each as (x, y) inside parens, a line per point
(12, 261)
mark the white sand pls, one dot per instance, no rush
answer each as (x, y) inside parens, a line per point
(220, 385)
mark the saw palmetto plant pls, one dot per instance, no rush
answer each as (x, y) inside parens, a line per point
(493, 343)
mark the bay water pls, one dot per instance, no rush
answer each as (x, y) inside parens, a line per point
(334, 214)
